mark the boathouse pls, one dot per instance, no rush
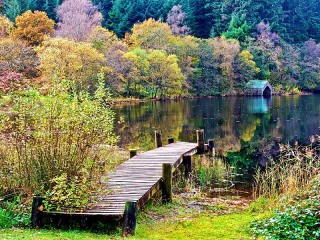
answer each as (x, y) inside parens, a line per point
(258, 88)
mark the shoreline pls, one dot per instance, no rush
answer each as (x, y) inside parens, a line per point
(119, 101)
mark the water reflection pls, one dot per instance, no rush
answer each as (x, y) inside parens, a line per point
(259, 104)
(230, 121)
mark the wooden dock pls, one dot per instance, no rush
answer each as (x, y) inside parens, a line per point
(141, 176)
(135, 181)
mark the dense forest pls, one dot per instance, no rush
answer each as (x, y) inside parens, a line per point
(151, 49)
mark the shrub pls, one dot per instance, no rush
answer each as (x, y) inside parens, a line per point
(294, 181)
(46, 136)
(296, 218)
(11, 81)
(14, 214)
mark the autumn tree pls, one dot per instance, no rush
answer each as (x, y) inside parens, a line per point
(245, 68)
(152, 34)
(310, 66)
(117, 68)
(102, 39)
(16, 56)
(225, 52)
(164, 75)
(33, 27)
(66, 59)
(6, 27)
(136, 84)
(176, 21)
(77, 19)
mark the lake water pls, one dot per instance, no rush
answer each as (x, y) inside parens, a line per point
(230, 121)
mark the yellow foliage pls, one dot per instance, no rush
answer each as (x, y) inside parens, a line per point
(247, 58)
(64, 58)
(16, 56)
(102, 39)
(248, 133)
(6, 26)
(33, 27)
(164, 73)
(151, 34)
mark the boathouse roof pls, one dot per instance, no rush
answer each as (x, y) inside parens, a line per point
(259, 88)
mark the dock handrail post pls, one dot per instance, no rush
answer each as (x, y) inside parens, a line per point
(211, 147)
(187, 162)
(167, 182)
(130, 218)
(133, 152)
(200, 141)
(37, 212)
(158, 141)
(170, 140)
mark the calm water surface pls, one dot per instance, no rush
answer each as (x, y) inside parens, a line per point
(230, 121)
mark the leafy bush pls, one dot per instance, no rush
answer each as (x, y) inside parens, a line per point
(14, 214)
(73, 193)
(45, 136)
(295, 218)
(11, 81)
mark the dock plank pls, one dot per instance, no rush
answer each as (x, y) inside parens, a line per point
(137, 179)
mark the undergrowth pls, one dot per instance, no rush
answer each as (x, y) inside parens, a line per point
(292, 188)
(14, 214)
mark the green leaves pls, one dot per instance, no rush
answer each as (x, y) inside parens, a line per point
(54, 134)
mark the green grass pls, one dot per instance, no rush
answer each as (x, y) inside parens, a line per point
(185, 218)
(30, 234)
(229, 227)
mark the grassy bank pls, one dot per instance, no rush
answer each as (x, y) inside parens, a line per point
(191, 216)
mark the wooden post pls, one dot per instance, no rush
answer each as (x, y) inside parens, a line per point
(158, 141)
(130, 218)
(37, 212)
(200, 141)
(133, 152)
(83, 222)
(167, 182)
(187, 166)
(170, 140)
(211, 146)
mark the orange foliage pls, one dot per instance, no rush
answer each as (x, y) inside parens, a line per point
(32, 27)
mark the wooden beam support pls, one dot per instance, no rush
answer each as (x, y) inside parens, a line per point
(158, 141)
(130, 218)
(200, 141)
(37, 212)
(187, 166)
(211, 147)
(170, 140)
(167, 182)
(133, 152)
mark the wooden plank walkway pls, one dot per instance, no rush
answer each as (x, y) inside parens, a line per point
(135, 181)
(140, 177)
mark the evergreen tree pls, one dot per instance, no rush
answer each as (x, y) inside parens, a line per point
(197, 17)
(104, 7)
(12, 8)
(120, 15)
(238, 28)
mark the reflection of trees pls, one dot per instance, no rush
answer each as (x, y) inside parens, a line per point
(141, 120)
(227, 120)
